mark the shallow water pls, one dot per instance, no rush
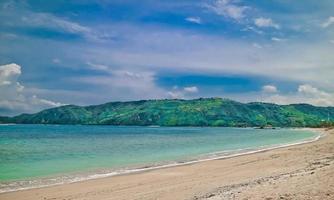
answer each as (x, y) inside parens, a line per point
(32, 152)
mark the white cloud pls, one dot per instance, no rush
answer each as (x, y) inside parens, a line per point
(228, 9)
(98, 67)
(328, 22)
(192, 89)
(255, 30)
(196, 20)
(51, 21)
(320, 96)
(39, 101)
(124, 73)
(275, 39)
(25, 17)
(14, 99)
(185, 51)
(269, 89)
(9, 73)
(256, 45)
(124, 84)
(265, 22)
(175, 95)
(182, 93)
(47, 20)
(305, 94)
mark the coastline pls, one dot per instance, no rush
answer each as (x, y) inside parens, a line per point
(136, 180)
(81, 177)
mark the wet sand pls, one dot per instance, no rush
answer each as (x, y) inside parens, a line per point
(303, 171)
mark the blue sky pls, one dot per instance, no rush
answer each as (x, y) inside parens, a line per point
(89, 52)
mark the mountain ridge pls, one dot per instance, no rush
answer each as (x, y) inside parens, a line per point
(180, 112)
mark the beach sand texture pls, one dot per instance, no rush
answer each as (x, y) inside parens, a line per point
(297, 172)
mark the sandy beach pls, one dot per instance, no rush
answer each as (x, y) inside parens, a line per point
(303, 171)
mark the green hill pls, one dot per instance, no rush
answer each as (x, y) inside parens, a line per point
(175, 112)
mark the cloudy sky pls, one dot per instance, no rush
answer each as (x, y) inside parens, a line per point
(89, 52)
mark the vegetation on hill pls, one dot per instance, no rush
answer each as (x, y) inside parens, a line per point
(175, 112)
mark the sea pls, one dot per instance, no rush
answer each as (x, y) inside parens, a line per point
(33, 156)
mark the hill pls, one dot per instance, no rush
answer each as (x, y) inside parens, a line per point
(176, 112)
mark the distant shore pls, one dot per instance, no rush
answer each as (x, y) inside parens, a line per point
(289, 172)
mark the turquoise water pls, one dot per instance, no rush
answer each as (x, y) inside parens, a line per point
(32, 151)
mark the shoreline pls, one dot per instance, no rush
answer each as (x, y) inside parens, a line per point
(221, 155)
(303, 171)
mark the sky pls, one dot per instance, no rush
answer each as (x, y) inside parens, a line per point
(82, 52)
